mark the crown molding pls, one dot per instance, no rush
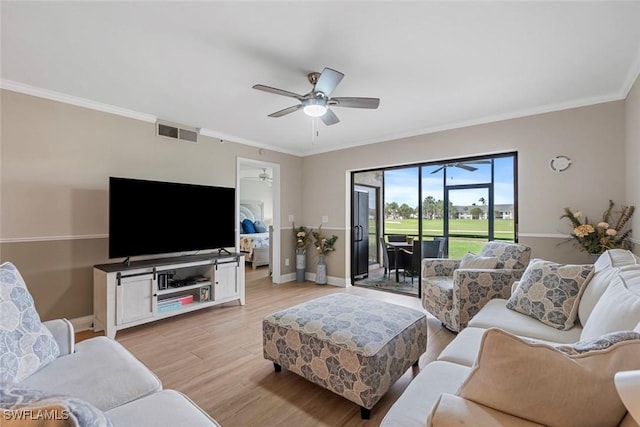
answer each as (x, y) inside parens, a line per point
(74, 100)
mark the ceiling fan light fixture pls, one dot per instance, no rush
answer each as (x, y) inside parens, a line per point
(314, 107)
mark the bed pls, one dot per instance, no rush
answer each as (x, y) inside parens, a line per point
(255, 244)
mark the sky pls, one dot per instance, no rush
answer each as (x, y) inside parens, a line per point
(401, 185)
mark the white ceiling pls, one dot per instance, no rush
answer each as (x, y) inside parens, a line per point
(434, 65)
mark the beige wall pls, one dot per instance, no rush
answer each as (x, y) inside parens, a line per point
(633, 156)
(593, 137)
(55, 163)
(56, 159)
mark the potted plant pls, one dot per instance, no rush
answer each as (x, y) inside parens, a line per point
(323, 246)
(302, 237)
(606, 234)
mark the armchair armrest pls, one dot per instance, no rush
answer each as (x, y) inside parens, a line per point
(473, 288)
(63, 333)
(439, 266)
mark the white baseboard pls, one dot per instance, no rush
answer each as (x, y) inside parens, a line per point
(311, 277)
(82, 323)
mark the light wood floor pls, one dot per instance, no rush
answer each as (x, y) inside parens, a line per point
(214, 356)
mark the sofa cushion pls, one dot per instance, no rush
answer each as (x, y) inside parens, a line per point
(550, 292)
(574, 384)
(413, 406)
(101, 371)
(167, 408)
(605, 269)
(451, 410)
(475, 261)
(495, 314)
(615, 258)
(36, 408)
(619, 307)
(25, 344)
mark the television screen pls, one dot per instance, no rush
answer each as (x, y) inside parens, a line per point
(154, 217)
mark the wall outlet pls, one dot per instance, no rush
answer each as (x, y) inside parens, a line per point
(325, 219)
(286, 262)
(291, 218)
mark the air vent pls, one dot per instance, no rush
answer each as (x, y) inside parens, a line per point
(170, 130)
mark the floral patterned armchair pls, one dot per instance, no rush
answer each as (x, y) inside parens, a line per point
(454, 295)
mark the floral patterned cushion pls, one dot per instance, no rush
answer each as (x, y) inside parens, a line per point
(550, 292)
(510, 255)
(30, 407)
(556, 387)
(26, 345)
(602, 342)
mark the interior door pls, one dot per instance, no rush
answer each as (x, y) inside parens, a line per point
(360, 234)
(468, 222)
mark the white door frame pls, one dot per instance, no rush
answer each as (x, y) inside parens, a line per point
(275, 193)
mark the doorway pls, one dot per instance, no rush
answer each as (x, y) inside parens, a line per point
(258, 195)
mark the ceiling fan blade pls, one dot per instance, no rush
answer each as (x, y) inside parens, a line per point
(328, 80)
(286, 111)
(352, 102)
(277, 91)
(329, 118)
(466, 167)
(439, 169)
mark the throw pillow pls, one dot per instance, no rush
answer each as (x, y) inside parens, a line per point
(248, 227)
(606, 268)
(552, 386)
(26, 345)
(22, 405)
(550, 292)
(259, 226)
(475, 261)
(618, 309)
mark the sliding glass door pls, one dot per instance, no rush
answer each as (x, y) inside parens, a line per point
(467, 201)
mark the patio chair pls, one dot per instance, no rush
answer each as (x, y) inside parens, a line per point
(412, 259)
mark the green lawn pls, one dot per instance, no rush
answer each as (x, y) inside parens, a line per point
(458, 246)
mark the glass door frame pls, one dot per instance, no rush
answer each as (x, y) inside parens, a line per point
(490, 205)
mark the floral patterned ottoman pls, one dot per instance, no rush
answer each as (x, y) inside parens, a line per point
(353, 346)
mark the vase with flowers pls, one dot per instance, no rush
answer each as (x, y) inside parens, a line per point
(324, 246)
(302, 237)
(596, 238)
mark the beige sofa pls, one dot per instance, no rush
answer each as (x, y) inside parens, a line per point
(491, 373)
(95, 382)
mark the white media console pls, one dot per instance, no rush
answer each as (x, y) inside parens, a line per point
(126, 295)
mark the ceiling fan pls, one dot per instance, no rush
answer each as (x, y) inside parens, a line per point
(462, 165)
(316, 103)
(262, 176)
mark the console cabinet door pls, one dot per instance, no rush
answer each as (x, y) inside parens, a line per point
(225, 281)
(134, 299)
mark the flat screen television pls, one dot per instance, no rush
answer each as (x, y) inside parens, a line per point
(155, 217)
